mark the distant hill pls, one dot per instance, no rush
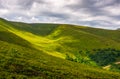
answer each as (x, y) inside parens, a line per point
(118, 29)
(57, 51)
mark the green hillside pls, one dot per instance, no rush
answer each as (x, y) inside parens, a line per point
(57, 51)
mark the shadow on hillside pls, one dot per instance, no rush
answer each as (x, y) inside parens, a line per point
(12, 38)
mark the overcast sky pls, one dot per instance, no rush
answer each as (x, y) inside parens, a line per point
(95, 13)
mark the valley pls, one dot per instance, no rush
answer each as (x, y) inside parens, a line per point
(58, 51)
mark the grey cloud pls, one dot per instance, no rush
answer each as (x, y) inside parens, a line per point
(87, 6)
(57, 15)
(87, 12)
(27, 4)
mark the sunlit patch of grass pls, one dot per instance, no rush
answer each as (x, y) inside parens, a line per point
(39, 42)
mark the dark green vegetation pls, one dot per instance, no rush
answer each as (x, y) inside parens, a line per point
(105, 56)
(43, 51)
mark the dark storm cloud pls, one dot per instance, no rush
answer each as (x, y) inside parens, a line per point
(96, 13)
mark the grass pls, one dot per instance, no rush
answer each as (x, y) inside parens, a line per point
(21, 62)
(40, 51)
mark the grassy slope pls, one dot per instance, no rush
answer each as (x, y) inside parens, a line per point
(81, 39)
(59, 40)
(74, 40)
(40, 29)
(111, 34)
(18, 60)
(56, 37)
